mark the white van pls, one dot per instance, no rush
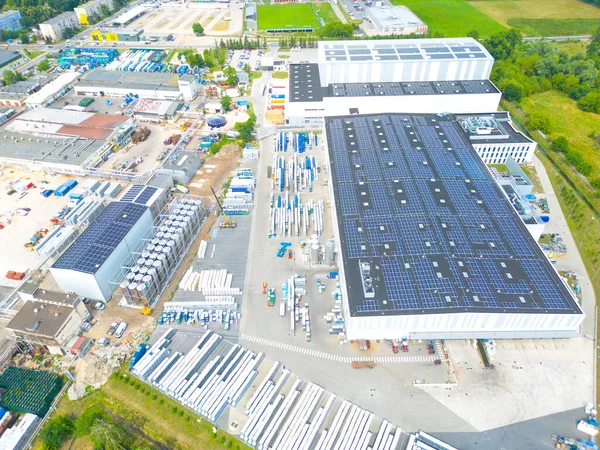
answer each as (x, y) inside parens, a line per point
(121, 329)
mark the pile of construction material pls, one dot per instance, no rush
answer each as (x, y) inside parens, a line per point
(203, 382)
(209, 282)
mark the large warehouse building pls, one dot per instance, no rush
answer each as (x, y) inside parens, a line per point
(430, 246)
(404, 60)
(309, 102)
(152, 85)
(87, 266)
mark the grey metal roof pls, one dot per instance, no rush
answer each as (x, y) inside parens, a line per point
(304, 83)
(99, 240)
(8, 56)
(131, 80)
(422, 221)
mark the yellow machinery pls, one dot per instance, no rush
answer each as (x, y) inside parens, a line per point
(227, 223)
(146, 310)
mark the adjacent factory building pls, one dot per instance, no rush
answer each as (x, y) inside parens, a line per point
(154, 85)
(48, 318)
(10, 20)
(59, 139)
(87, 266)
(404, 60)
(431, 247)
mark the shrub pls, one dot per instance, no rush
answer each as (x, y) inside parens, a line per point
(161, 401)
(56, 431)
(180, 413)
(154, 396)
(561, 144)
(540, 121)
(174, 409)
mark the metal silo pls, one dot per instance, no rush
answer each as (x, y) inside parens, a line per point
(329, 252)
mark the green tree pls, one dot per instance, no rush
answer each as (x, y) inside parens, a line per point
(540, 121)
(56, 431)
(11, 77)
(86, 420)
(24, 37)
(68, 33)
(104, 11)
(226, 103)
(337, 29)
(106, 435)
(43, 66)
(247, 68)
(198, 29)
(230, 76)
(513, 92)
(473, 34)
(561, 144)
(590, 102)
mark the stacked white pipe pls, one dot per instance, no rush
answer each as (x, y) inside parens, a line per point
(202, 249)
(209, 282)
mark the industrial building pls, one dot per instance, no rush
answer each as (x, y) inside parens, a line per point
(129, 16)
(395, 20)
(48, 318)
(309, 102)
(16, 93)
(155, 85)
(430, 245)
(54, 28)
(182, 166)
(406, 60)
(87, 265)
(52, 90)
(148, 110)
(9, 59)
(59, 139)
(114, 35)
(495, 139)
(91, 8)
(10, 20)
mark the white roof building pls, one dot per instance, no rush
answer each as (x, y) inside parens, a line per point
(52, 90)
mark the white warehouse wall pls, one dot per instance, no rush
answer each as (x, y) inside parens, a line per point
(406, 71)
(157, 94)
(498, 153)
(298, 112)
(97, 286)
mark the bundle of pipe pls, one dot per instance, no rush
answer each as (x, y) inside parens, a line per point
(207, 303)
(202, 249)
(209, 282)
(154, 356)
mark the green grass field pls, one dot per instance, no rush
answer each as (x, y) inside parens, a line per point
(288, 16)
(453, 18)
(555, 27)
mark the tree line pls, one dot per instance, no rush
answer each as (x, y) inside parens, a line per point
(526, 68)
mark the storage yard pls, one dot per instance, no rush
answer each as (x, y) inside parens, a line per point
(215, 379)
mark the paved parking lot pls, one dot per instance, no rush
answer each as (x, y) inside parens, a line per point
(243, 57)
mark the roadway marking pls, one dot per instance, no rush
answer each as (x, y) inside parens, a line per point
(344, 359)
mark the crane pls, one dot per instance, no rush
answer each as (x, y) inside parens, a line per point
(227, 223)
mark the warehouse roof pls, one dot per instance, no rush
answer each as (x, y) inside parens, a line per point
(395, 18)
(25, 87)
(128, 16)
(424, 228)
(491, 128)
(404, 50)
(129, 80)
(52, 88)
(305, 87)
(40, 318)
(8, 56)
(99, 240)
(69, 150)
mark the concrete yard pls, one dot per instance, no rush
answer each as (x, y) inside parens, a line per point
(18, 229)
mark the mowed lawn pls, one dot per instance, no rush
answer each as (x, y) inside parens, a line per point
(569, 121)
(287, 16)
(453, 18)
(543, 17)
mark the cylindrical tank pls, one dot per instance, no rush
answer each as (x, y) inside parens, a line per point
(150, 247)
(154, 241)
(140, 262)
(153, 255)
(145, 255)
(314, 253)
(130, 276)
(123, 288)
(329, 252)
(169, 253)
(138, 278)
(160, 236)
(144, 270)
(148, 263)
(164, 261)
(134, 298)
(135, 269)
(143, 292)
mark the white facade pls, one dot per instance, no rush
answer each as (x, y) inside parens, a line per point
(302, 113)
(52, 90)
(498, 152)
(403, 60)
(55, 27)
(158, 93)
(189, 87)
(97, 286)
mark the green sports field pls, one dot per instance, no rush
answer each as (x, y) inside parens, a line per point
(287, 16)
(453, 18)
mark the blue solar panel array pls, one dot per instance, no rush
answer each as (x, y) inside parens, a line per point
(416, 202)
(100, 239)
(138, 193)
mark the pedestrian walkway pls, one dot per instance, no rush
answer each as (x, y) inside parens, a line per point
(338, 358)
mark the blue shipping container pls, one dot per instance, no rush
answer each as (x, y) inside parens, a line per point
(141, 351)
